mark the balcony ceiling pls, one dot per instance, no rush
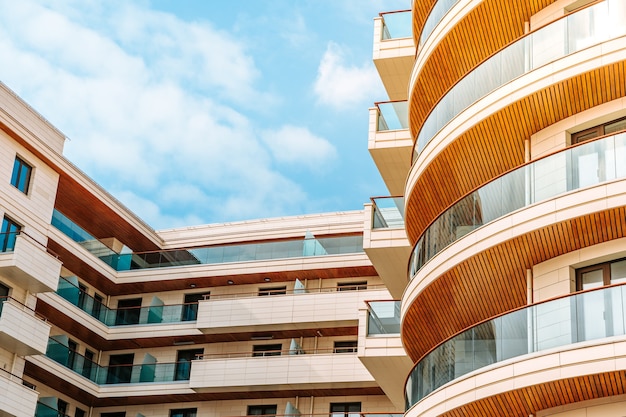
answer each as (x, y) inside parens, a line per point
(495, 145)
(494, 281)
(459, 52)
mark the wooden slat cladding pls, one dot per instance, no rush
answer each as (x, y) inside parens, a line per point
(93, 215)
(421, 10)
(527, 401)
(496, 144)
(464, 47)
(494, 281)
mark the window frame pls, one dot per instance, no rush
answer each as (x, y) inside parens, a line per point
(18, 172)
(8, 234)
(183, 412)
(274, 349)
(593, 132)
(281, 290)
(605, 267)
(352, 286)
(345, 346)
(263, 408)
(345, 411)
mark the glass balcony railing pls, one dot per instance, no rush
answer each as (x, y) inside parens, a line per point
(157, 314)
(437, 13)
(576, 318)
(574, 168)
(309, 246)
(383, 317)
(590, 26)
(392, 115)
(397, 25)
(119, 374)
(388, 213)
(44, 410)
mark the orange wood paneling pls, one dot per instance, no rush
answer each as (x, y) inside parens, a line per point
(494, 281)
(496, 144)
(530, 400)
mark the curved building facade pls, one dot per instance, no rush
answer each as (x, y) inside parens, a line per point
(515, 209)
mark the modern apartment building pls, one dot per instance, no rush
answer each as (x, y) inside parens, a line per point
(508, 150)
(100, 315)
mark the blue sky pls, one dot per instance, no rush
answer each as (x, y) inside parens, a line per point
(205, 111)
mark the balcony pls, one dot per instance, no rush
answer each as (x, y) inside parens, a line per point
(385, 241)
(18, 399)
(123, 259)
(149, 371)
(394, 51)
(300, 309)
(577, 167)
(380, 347)
(390, 143)
(283, 370)
(27, 261)
(552, 326)
(21, 330)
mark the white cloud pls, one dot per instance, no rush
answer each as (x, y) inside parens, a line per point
(144, 98)
(297, 145)
(342, 86)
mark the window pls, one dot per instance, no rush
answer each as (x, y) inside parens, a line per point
(273, 291)
(79, 413)
(8, 234)
(20, 178)
(72, 347)
(88, 364)
(115, 414)
(261, 410)
(190, 308)
(352, 286)
(128, 311)
(346, 346)
(97, 310)
(62, 407)
(345, 409)
(183, 363)
(184, 412)
(267, 350)
(602, 274)
(120, 368)
(600, 130)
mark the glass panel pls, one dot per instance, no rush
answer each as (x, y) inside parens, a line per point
(618, 272)
(592, 279)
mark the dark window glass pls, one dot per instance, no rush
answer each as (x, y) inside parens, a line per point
(62, 407)
(273, 291)
(8, 234)
(352, 286)
(20, 178)
(97, 306)
(88, 367)
(79, 413)
(71, 357)
(346, 346)
(190, 308)
(345, 409)
(267, 350)
(261, 410)
(120, 369)
(128, 311)
(183, 363)
(184, 412)
(116, 414)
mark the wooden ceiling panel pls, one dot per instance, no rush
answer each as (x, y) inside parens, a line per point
(496, 144)
(463, 48)
(527, 401)
(494, 281)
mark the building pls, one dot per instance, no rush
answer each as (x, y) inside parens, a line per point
(508, 148)
(502, 145)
